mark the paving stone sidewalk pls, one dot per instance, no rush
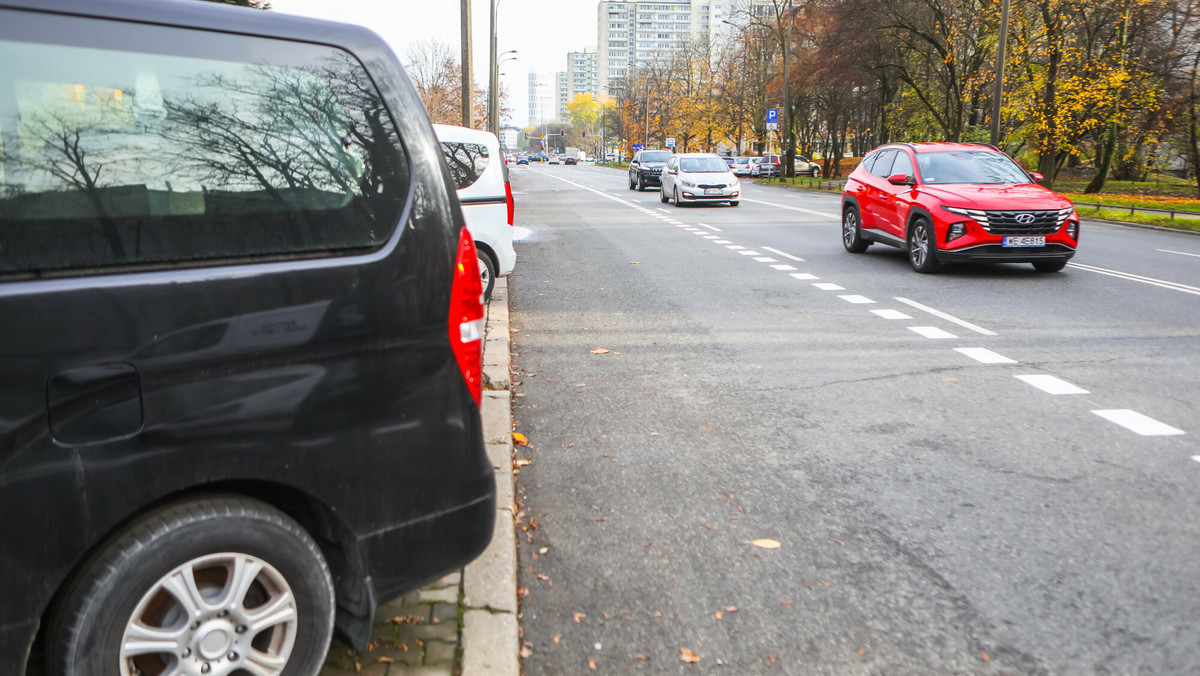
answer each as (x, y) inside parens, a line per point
(466, 623)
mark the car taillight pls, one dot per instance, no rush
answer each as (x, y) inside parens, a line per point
(508, 200)
(466, 316)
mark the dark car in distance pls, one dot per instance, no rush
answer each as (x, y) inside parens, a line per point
(646, 167)
(956, 202)
(240, 364)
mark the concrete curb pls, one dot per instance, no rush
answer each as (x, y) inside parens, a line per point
(490, 640)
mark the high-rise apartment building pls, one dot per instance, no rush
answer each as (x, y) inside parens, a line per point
(630, 32)
(543, 97)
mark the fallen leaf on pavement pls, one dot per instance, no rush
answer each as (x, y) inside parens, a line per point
(592, 664)
(985, 657)
(771, 657)
(526, 651)
(520, 438)
(707, 526)
(717, 614)
(635, 262)
(579, 616)
(731, 609)
(641, 657)
(862, 651)
(601, 350)
(688, 656)
(522, 462)
(543, 550)
(557, 638)
(785, 602)
(765, 543)
(386, 660)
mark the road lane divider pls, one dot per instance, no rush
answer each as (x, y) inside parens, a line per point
(1181, 253)
(948, 317)
(829, 286)
(824, 214)
(705, 225)
(856, 299)
(1051, 384)
(932, 332)
(891, 314)
(1174, 286)
(1141, 424)
(784, 254)
(984, 355)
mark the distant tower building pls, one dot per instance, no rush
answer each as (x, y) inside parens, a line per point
(543, 98)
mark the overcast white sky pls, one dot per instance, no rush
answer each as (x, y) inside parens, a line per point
(542, 32)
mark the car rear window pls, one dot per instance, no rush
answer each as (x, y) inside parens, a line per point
(253, 148)
(467, 162)
(656, 156)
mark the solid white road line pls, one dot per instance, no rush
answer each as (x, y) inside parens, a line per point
(950, 318)
(784, 254)
(1181, 253)
(705, 225)
(1142, 424)
(826, 286)
(984, 355)
(784, 267)
(932, 332)
(1052, 385)
(766, 259)
(859, 300)
(804, 275)
(891, 314)
(785, 206)
(1174, 286)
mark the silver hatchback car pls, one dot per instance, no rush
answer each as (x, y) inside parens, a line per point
(699, 177)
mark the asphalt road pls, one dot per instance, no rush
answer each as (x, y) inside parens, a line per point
(937, 510)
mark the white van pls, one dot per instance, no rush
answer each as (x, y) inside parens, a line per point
(479, 173)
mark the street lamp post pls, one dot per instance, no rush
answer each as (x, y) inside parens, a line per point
(494, 75)
(788, 170)
(999, 91)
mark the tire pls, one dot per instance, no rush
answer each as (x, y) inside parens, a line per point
(631, 184)
(641, 182)
(662, 196)
(816, 172)
(734, 203)
(852, 237)
(1049, 266)
(676, 197)
(922, 247)
(214, 540)
(487, 273)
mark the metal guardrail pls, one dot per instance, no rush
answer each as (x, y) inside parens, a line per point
(1133, 209)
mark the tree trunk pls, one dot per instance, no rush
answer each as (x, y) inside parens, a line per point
(1048, 146)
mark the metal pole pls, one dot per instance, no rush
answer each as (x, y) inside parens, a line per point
(789, 148)
(467, 79)
(999, 92)
(493, 78)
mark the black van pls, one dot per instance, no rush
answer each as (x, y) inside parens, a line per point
(240, 340)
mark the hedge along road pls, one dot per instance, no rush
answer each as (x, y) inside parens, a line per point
(985, 471)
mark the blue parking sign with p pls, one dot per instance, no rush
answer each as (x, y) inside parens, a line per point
(638, 146)
(772, 115)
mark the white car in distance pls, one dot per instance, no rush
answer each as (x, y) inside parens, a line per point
(699, 177)
(480, 176)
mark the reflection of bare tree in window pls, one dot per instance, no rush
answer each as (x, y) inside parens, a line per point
(76, 149)
(466, 162)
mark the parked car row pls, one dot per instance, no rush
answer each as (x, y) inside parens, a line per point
(240, 376)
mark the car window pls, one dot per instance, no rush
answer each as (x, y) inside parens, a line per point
(116, 157)
(868, 161)
(467, 162)
(883, 163)
(970, 166)
(656, 156)
(902, 165)
(703, 165)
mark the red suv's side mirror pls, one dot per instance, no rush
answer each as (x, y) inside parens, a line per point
(1037, 178)
(901, 179)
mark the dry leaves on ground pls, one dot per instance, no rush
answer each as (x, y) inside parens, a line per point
(601, 350)
(520, 438)
(765, 543)
(686, 655)
(579, 616)
(526, 651)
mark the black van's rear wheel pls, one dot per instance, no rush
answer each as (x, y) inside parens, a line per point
(208, 586)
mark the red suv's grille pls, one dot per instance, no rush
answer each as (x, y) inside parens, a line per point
(1020, 222)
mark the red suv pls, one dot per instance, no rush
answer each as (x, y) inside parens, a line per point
(956, 202)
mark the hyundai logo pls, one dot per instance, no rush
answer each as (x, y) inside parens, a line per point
(1025, 219)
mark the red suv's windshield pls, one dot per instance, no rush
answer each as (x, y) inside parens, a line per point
(969, 166)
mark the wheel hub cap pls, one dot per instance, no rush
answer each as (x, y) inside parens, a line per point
(215, 640)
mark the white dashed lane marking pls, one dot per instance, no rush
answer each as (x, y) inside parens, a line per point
(783, 267)
(721, 241)
(784, 254)
(932, 332)
(858, 300)
(950, 318)
(1141, 424)
(749, 252)
(827, 286)
(891, 314)
(706, 225)
(766, 259)
(804, 275)
(1052, 385)
(984, 355)
(735, 247)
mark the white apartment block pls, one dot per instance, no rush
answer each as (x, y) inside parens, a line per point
(637, 31)
(543, 98)
(583, 72)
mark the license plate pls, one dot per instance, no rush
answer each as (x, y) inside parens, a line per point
(712, 191)
(1025, 241)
